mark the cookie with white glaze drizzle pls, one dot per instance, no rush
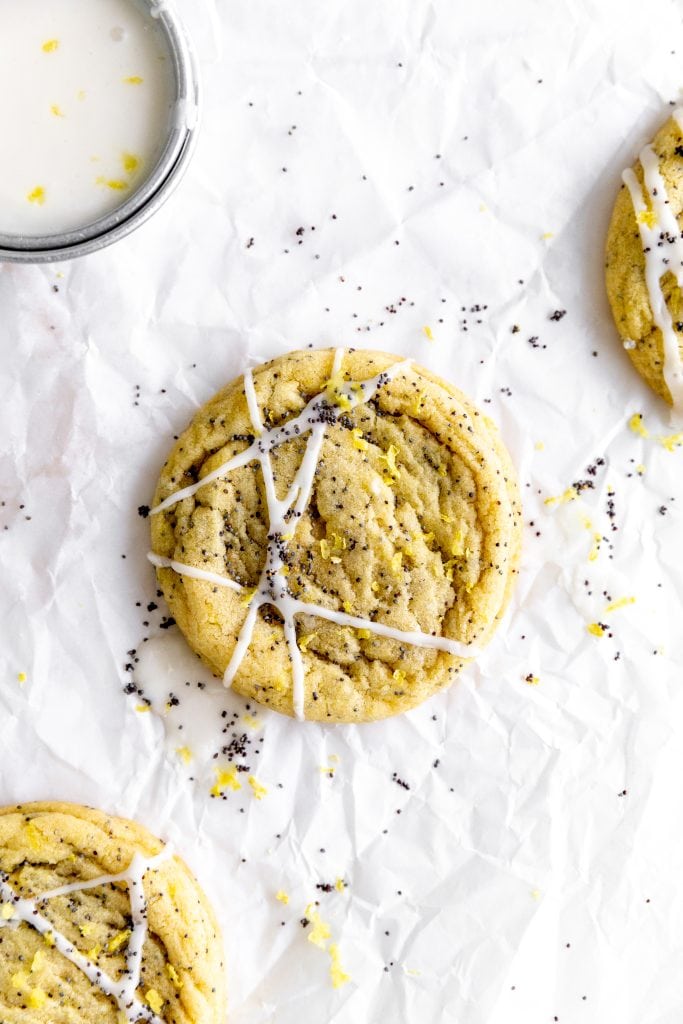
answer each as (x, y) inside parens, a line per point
(644, 262)
(101, 923)
(336, 533)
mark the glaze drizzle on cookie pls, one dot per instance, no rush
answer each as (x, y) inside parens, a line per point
(663, 251)
(27, 911)
(273, 588)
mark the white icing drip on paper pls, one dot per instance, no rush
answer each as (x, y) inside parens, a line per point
(283, 514)
(663, 251)
(27, 911)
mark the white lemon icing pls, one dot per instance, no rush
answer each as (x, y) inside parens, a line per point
(663, 250)
(283, 514)
(27, 911)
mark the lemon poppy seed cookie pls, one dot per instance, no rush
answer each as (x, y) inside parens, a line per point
(644, 263)
(336, 533)
(101, 924)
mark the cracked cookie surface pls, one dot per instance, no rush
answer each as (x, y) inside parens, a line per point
(413, 521)
(49, 846)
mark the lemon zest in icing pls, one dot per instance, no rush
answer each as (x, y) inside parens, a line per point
(130, 162)
(50, 45)
(133, 80)
(37, 195)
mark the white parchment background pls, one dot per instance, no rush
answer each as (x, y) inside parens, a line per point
(470, 153)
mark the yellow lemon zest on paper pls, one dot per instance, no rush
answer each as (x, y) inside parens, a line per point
(595, 550)
(184, 753)
(671, 442)
(154, 1000)
(562, 499)
(56, 110)
(252, 722)
(21, 678)
(546, 235)
(320, 932)
(226, 778)
(595, 629)
(340, 885)
(142, 708)
(282, 897)
(133, 80)
(532, 680)
(539, 446)
(257, 788)
(37, 195)
(337, 974)
(648, 217)
(535, 894)
(622, 602)
(50, 45)
(636, 425)
(427, 331)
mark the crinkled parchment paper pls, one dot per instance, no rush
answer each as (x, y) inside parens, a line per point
(453, 166)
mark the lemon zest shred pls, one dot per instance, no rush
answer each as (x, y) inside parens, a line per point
(226, 778)
(595, 629)
(257, 788)
(621, 602)
(562, 499)
(637, 426)
(338, 976)
(154, 1000)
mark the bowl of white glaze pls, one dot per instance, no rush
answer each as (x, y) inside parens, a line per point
(100, 121)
